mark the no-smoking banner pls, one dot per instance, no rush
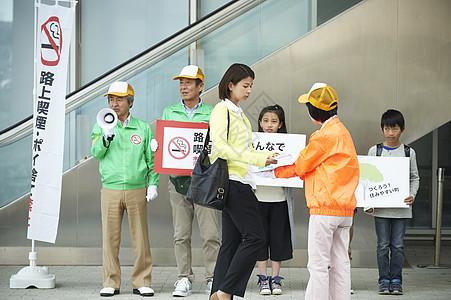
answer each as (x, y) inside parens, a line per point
(179, 145)
(53, 35)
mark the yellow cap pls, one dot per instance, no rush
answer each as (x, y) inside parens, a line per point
(192, 72)
(321, 96)
(120, 89)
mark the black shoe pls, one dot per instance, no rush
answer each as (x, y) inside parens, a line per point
(144, 291)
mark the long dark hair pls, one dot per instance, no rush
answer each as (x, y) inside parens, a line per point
(278, 110)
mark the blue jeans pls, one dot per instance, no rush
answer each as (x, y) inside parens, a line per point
(390, 247)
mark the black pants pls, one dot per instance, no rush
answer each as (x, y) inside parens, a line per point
(242, 239)
(276, 224)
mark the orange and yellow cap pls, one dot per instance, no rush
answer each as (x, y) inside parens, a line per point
(120, 89)
(321, 96)
(192, 72)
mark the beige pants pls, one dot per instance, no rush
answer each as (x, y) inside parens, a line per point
(114, 203)
(183, 214)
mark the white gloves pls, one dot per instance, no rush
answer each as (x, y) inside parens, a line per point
(151, 192)
(107, 133)
(153, 145)
(266, 174)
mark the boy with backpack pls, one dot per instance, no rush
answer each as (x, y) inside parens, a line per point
(391, 223)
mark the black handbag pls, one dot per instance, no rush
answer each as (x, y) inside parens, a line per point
(209, 182)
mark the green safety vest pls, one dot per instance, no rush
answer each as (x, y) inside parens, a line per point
(128, 161)
(177, 112)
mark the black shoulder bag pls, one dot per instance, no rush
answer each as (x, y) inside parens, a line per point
(209, 182)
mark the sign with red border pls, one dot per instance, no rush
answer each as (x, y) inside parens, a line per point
(179, 146)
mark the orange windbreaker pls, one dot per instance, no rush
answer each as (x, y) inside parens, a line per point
(330, 169)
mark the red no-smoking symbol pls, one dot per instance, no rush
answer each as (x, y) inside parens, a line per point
(51, 42)
(178, 148)
(136, 139)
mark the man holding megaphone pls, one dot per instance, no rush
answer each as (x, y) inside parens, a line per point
(122, 144)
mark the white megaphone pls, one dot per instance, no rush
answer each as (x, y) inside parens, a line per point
(107, 118)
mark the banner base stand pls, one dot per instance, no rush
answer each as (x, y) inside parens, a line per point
(32, 276)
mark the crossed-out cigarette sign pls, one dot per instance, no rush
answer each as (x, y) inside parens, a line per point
(179, 147)
(51, 42)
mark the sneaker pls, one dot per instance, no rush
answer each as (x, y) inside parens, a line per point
(384, 287)
(276, 285)
(183, 288)
(263, 281)
(208, 287)
(108, 292)
(144, 291)
(396, 287)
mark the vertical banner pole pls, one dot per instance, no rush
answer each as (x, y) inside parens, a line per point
(438, 227)
(53, 30)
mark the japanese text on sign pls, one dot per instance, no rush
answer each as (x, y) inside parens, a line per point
(384, 181)
(180, 144)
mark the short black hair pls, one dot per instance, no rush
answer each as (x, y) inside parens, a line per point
(278, 110)
(234, 74)
(319, 114)
(391, 118)
(198, 81)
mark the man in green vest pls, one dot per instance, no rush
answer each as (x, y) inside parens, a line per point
(191, 109)
(126, 166)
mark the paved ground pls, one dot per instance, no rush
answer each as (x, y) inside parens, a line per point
(84, 282)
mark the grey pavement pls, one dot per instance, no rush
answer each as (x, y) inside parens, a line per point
(84, 282)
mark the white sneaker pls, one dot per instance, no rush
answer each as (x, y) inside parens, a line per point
(144, 291)
(108, 292)
(276, 285)
(264, 284)
(183, 288)
(208, 287)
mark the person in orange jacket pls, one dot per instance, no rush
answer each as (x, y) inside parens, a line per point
(330, 169)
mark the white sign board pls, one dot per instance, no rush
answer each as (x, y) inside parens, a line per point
(288, 145)
(384, 181)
